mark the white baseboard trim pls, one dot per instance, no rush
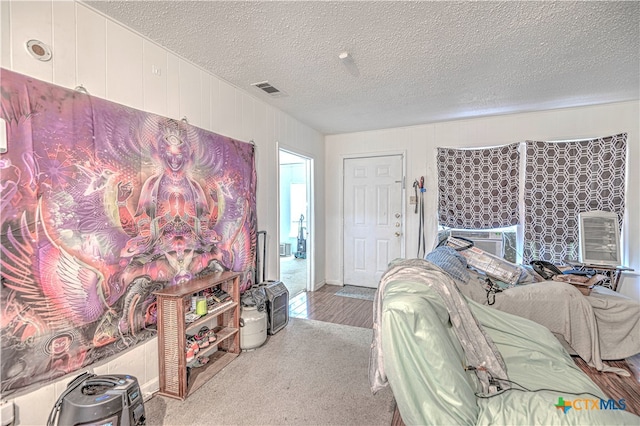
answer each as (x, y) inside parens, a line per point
(150, 388)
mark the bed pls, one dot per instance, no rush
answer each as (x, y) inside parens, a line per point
(417, 353)
(602, 326)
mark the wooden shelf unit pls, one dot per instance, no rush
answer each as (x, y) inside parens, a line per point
(172, 332)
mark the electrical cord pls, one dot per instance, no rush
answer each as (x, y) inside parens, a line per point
(524, 389)
(492, 288)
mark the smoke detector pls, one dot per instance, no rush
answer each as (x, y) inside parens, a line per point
(269, 89)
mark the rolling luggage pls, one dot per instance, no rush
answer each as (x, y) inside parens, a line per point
(276, 292)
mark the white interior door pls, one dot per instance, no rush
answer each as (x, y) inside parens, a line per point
(373, 217)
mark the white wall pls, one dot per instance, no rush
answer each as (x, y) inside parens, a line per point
(112, 62)
(420, 143)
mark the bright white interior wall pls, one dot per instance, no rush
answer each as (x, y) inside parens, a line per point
(115, 63)
(420, 143)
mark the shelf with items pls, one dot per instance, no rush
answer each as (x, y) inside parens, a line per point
(179, 378)
(222, 308)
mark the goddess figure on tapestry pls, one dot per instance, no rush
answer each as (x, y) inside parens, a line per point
(173, 228)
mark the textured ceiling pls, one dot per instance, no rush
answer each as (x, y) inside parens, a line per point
(413, 62)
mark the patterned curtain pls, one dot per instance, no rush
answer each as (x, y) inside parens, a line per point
(564, 179)
(478, 188)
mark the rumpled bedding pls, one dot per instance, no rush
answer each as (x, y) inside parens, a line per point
(604, 325)
(478, 347)
(424, 363)
(618, 321)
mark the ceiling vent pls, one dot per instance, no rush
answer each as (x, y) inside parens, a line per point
(266, 87)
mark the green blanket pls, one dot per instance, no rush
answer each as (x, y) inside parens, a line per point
(425, 367)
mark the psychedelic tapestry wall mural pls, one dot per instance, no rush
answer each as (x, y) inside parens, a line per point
(102, 205)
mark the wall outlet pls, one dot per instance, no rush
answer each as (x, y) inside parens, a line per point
(6, 413)
(413, 200)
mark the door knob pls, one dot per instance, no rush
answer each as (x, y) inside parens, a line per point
(397, 224)
(397, 234)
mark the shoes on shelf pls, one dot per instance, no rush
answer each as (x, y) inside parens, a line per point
(212, 336)
(202, 337)
(199, 362)
(193, 344)
(190, 354)
(192, 348)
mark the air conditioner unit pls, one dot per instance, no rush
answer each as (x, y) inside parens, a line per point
(599, 238)
(489, 241)
(285, 249)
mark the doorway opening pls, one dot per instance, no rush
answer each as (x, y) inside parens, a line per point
(293, 240)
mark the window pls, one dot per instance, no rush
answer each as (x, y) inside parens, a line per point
(298, 208)
(563, 179)
(501, 242)
(479, 190)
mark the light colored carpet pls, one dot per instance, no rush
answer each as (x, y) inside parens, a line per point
(309, 373)
(356, 292)
(293, 273)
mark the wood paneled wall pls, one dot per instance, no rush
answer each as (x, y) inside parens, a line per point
(116, 63)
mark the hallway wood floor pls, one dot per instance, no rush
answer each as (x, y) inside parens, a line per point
(324, 305)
